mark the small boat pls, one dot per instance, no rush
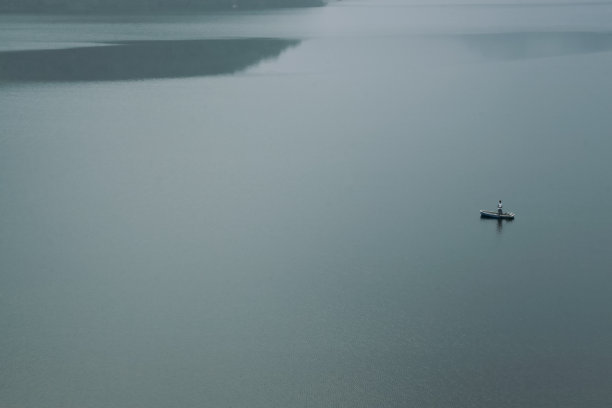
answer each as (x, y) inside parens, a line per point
(496, 215)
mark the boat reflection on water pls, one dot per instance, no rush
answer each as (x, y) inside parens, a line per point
(499, 218)
(499, 223)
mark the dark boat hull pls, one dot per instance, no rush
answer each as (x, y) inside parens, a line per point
(495, 215)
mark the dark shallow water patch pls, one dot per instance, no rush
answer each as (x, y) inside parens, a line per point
(132, 60)
(526, 45)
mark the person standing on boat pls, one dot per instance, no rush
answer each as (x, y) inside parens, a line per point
(499, 207)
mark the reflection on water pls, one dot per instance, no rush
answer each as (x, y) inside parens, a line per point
(499, 223)
(129, 60)
(537, 45)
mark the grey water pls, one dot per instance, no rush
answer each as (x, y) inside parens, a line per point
(281, 208)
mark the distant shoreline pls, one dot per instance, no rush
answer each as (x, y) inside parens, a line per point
(146, 6)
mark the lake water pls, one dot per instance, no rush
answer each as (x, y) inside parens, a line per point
(280, 208)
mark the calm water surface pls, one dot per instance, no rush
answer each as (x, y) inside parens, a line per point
(280, 209)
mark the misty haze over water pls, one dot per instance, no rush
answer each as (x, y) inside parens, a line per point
(279, 207)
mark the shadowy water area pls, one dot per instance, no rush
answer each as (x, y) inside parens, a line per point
(537, 44)
(130, 60)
